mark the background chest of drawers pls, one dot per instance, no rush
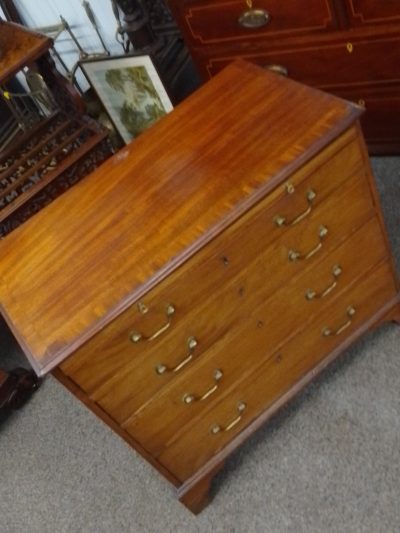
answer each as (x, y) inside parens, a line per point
(348, 47)
(236, 251)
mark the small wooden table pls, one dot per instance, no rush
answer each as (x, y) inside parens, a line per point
(42, 162)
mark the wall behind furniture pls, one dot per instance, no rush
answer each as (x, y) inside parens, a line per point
(41, 13)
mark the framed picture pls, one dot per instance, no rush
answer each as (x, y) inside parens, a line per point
(131, 91)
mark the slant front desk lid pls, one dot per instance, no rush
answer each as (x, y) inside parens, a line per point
(101, 246)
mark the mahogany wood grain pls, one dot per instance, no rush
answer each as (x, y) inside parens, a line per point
(236, 354)
(389, 312)
(368, 60)
(216, 264)
(335, 45)
(197, 496)
(376, 199)
(372, 12)
(277, 375)
(136, 383)
(188, 211)
(156, 203)
(218, 21)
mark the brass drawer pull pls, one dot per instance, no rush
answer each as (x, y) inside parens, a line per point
(336, 272)
(241, 406)
(294, 255)
(162, 369)
(281, 221)
(277, 69)
(254, 18)
(190, 398)
(327, 332)
(136, 336)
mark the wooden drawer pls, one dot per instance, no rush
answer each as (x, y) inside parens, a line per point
(373, 12)
(204, 275)
(381, 122)
(228, 21)
(235, 355)
(137, 382)
(196, 444)
(325, 66)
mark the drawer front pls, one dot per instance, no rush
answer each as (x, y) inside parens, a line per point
(294, 305)
(326, 67)
(135, 384)
(202, 439)
(381, 122)
(205, 274)
(374, 12)
(227, 21)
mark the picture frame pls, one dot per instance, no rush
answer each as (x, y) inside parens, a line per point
(131, 91)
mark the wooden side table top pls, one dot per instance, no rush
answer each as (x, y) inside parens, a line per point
(19, 47)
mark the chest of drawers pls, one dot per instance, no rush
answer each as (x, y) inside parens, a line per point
(197, 280)
(350, 48)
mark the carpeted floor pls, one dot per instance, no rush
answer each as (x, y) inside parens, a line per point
(328, 463)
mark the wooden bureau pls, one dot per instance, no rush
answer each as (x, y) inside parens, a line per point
(350, 48)
(197, 280)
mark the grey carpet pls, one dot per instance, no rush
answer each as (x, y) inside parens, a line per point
(330, 462)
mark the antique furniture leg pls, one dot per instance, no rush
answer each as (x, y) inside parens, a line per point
(196, 495)
(16, 387)
(396, 316)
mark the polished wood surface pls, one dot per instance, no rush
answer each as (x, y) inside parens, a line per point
(196, 444)
(215, 22)
(346, 47)
(156, 203)
(224, 308)
(263, 229)
(216, 264)
(156, 422)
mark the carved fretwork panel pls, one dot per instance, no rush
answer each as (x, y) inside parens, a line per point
(54, 188)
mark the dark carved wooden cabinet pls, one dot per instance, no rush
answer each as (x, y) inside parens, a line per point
(347, 47)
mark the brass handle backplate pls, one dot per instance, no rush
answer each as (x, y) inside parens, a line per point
(161, 368)
(294, 255)
(278, 69)
(282, 221)
(336, 272)
(327, 332)
(136, 336)
(254, 18)
(190, 398)
(216, 428)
